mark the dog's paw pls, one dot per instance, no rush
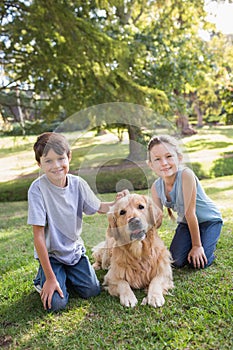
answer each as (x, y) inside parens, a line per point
(156, 300)
(144, 301)
(96, 266)
(128, 300)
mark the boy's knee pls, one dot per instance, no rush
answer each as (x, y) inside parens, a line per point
(210, 259)
(58, 303)
(92, 291)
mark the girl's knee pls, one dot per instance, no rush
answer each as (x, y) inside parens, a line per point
(178, 260)
(179, 263)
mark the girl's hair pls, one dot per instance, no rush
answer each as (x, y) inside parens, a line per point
(50, 140)
(157, 140)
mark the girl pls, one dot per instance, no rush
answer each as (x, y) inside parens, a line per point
(178, 188)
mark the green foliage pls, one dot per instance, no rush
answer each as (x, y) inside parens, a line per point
(15, 190)
(223, 166)
(144, 52)
(41, 37)
(109, 179)
(31, 128)
(106, 180)
(198, 170)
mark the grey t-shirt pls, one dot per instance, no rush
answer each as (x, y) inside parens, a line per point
(60, 210)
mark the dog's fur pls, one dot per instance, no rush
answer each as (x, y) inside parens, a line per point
(133, 253)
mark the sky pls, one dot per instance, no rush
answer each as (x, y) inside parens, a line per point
(221, 15)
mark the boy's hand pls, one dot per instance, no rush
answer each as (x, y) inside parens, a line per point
(122, 194)
(46, 294)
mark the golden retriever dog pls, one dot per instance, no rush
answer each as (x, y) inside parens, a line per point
(133, 253)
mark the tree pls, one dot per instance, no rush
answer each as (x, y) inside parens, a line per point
(84, 53)
(61, 49)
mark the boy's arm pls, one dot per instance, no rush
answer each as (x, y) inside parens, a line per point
(105, 206)
(51, 284)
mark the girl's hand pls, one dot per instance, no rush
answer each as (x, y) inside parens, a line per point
(46, 294)
(197, 257)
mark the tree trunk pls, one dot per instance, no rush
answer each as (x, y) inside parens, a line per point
(183, 125)
(199, 115)
(137, 150)
(19, 110)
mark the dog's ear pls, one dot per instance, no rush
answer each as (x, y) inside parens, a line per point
(112, 226)
(156, 214)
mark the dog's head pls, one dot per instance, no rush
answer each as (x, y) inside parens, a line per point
(131, 217)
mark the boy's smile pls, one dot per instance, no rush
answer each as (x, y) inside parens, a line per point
(56, 167)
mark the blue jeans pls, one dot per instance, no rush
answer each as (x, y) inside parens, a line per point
(182, 244)
(80, 277)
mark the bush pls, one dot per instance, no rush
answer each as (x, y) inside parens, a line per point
(107, 180)
(16, 190)
(222, 166)
(111, 178)
(198, 170)
(31, 128)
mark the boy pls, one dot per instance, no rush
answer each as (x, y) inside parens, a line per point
(56, 203)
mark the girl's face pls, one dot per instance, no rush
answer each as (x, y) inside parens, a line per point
(56, 167)
(164, 160)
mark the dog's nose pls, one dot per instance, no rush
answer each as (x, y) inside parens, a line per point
(134, 220)
(134, 223)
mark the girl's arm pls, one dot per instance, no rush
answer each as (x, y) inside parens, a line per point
(196, 255)
(155, 197)
(51, 284)
(157, 202)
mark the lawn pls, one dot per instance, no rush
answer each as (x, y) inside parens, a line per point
(197, 315)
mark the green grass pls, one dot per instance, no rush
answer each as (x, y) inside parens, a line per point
(198, 314)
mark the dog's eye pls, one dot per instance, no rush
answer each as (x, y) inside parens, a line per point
(141, 206)
(122, 212)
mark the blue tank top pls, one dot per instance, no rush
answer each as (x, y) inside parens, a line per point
(206, 210)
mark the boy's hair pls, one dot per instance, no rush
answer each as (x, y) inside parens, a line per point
(50, 140)
(157, 140)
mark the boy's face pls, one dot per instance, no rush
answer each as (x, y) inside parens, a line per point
(56, 167)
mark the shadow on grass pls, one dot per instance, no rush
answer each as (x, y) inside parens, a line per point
(215, 190)
(201, 144)
(11, 151)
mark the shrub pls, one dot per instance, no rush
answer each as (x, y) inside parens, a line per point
(223, 166)
(15, 190)
(198, 170)
(115, 178)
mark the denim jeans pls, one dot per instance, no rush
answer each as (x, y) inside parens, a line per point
(182, 244)
(80, 277)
